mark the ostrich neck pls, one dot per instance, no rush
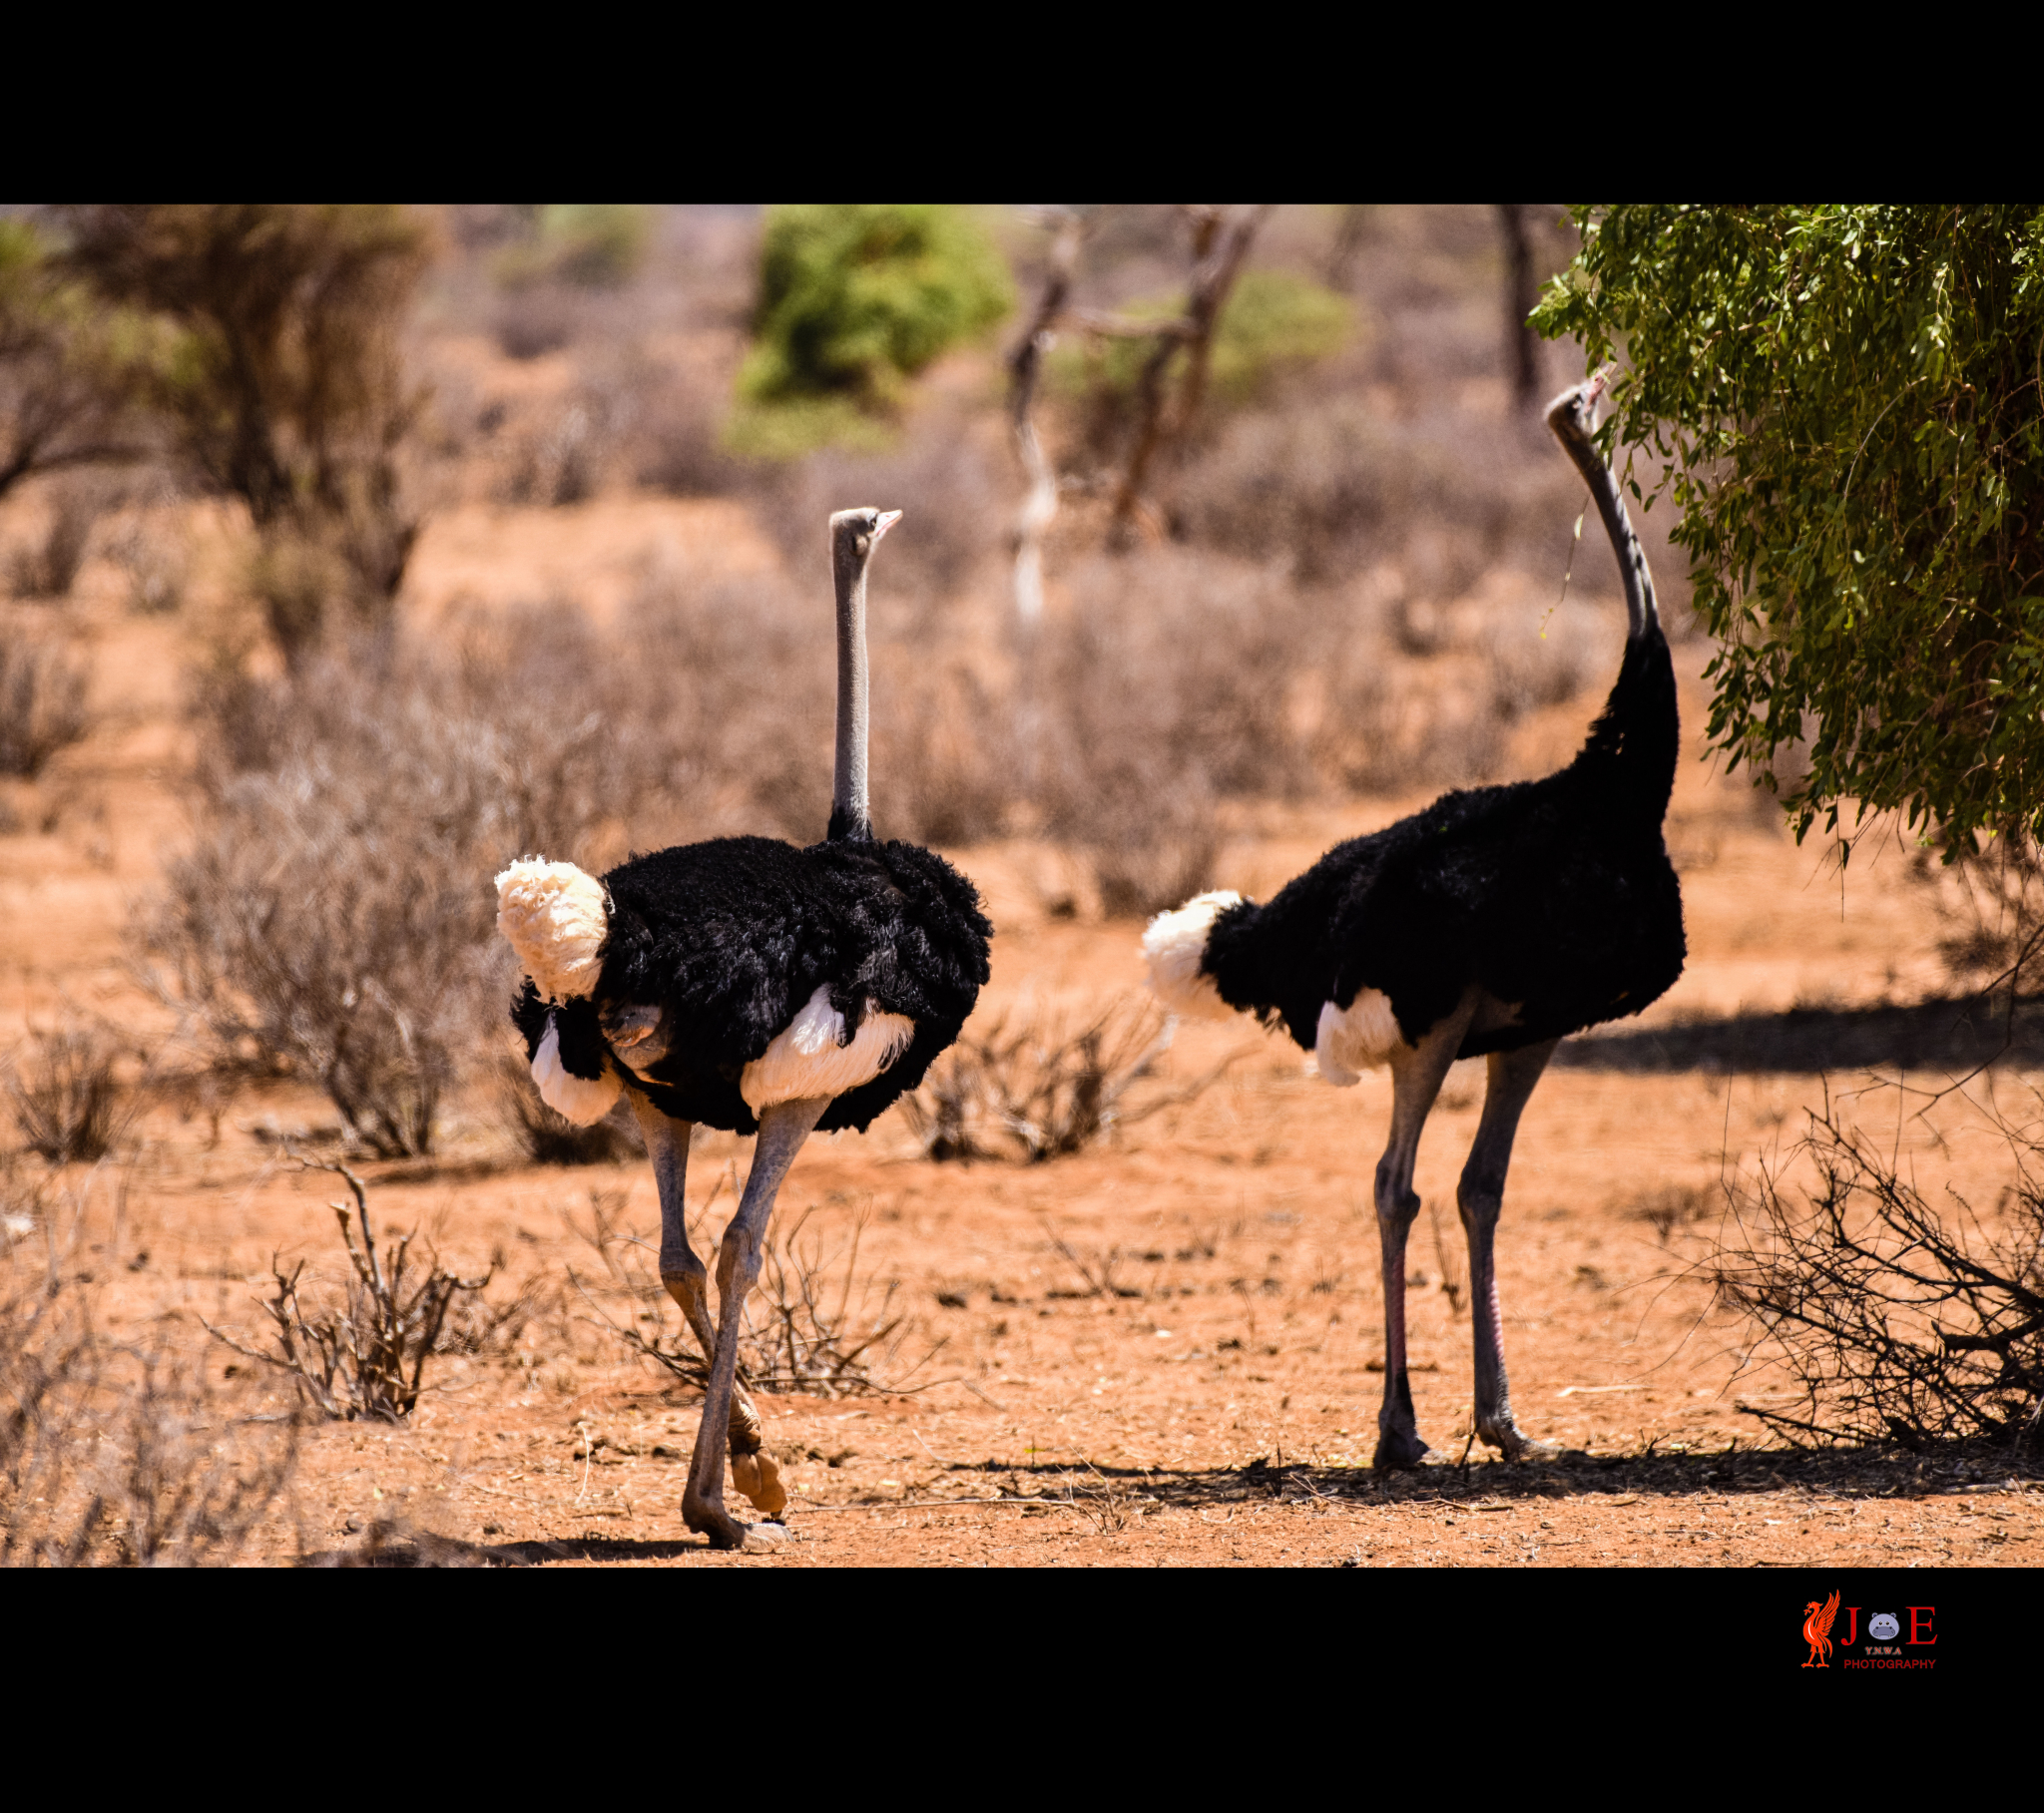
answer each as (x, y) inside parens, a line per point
(1642, 614)
(850, 817)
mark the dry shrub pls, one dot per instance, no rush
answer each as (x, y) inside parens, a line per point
(1991, 908)
(112, 1455)
(1331, 484)
(566, 461)
(484, 1327)
(1673, 1206)
(42, 702)
(334, 916)
(366, 1356)
(66, 1098)
(676, 438)
(1895, 1322)
(1190, 660)
(331, 921)
(944, 753)
(733, 683)
(539, 320)
(815, 1323)
(48, 567)
(157, 564)
(1169, 684)
(1152, 838)
(114, 1458)
(1044, 1090)
(550, 1138)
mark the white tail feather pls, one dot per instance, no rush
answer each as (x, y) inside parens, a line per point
(1173, 946)
(806, 1059)
(582, 1100)
(1363, 1039)
(557, 918)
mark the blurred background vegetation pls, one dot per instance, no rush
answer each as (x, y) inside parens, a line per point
(1294, 532)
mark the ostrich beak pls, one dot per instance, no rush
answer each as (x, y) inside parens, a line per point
(1599, 388)
(887, 520)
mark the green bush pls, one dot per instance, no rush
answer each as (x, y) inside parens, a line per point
(1273, 321)
(856, 298)
(594, 245)
(278, 377)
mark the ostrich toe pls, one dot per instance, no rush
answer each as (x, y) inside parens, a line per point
(758, 1475)
(1514, 1444)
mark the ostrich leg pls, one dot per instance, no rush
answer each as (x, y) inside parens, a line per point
(666, 1144)
(1416, 1074)
(783, 1129)
(1480, 1195)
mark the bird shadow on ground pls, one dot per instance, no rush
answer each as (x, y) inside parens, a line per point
(1939, 1470)
(403, 1545)
(1956, 1035)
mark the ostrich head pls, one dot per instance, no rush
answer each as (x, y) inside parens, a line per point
(1573, 415)
(854, 534)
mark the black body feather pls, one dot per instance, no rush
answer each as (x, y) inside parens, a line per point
(1553, 894)
(729, 938)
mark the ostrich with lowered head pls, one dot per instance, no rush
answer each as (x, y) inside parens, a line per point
(1493, 923)
(750, 985)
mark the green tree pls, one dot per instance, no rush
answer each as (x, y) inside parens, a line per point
(856, 298)
(283, 384)
(594, 246)
(1844, 405)
(70, 369)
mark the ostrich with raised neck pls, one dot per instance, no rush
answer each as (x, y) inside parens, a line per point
(1492, 924)
(751, 985)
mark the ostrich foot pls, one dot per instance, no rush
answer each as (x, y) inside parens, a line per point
(1513, 1443)
(709, 1518)
(1398, 1448)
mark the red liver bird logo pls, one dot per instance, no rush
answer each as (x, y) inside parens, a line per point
(1816, 1630)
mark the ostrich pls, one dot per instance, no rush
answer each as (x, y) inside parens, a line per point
(750, 985)
(1494, 922)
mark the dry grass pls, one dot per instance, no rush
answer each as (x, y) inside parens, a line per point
(1671, 1208)
(112, 1453)
(65, 1095)
(42, 702)
(155, 563)
(48, 567)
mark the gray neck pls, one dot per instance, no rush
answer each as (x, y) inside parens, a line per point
(850, 813)
(1641, 612)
